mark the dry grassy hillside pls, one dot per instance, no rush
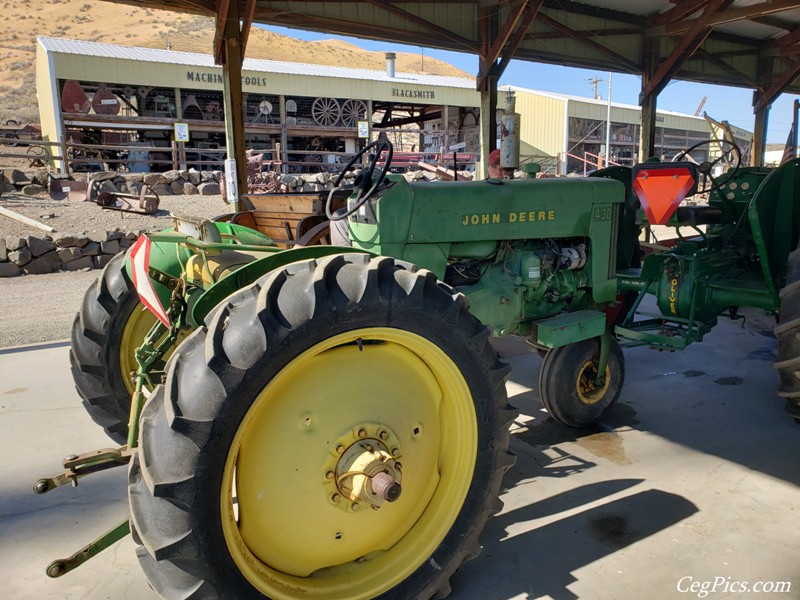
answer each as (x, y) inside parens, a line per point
(106, 22)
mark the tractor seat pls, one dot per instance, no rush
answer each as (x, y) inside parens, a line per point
(698, 215)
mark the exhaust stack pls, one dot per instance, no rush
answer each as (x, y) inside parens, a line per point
(390, 57)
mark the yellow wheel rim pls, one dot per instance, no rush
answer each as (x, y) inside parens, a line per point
(139, 323)
(137, 326)
(288, 528)
(588, 391)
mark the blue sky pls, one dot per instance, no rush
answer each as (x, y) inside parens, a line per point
(724, 103)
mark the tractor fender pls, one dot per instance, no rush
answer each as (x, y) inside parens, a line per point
(251, 272)
(169, 256)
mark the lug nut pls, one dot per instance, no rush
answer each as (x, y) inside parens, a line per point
(335, 498)
(383, 435)
(362, 433)
(71, 457)
(395, 452)
(340, 449)
(355, 506)
(329, 475)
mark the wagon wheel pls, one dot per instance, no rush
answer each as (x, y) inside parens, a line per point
(38, 156)
(326, 111)
(352, 112)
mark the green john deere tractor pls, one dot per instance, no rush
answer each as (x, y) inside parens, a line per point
(331, 421)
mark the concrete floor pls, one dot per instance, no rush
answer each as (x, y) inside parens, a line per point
(694, 474)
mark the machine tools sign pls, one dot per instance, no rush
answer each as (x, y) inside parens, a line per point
(217, 78)
(523, 216)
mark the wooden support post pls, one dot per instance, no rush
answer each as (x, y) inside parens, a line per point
(759, 132)
(487, 85)
(445, 126)
(369, 121)
(647, 143)
(174, 155)
(232, 101)
(178, 104)
(648, 100)
(284, 135)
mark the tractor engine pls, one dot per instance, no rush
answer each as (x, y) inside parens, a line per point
(523, 280)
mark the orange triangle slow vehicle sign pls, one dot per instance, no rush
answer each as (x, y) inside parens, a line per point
(661, 191)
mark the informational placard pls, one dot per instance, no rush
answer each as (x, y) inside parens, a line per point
(459, 146)
(363, 129)
(231, 189)
(181, 132)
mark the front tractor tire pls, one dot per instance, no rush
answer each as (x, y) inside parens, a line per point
(567, 383)
(259, 456)
(111, 323)
(788, 336)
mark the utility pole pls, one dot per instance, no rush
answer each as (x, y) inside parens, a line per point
(595, 81)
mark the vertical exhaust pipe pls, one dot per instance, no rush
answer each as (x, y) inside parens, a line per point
(390, 57)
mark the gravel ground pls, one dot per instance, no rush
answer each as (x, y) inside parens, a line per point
(40, 308)
(80, 217)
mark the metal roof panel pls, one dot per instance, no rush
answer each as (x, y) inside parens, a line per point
(192, 59)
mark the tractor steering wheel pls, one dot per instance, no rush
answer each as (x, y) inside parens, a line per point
(363, 187)
(728, 152)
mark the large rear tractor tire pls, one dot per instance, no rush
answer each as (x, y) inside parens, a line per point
(111, 323)
(260, 457)
(788, 335)
(567, 382)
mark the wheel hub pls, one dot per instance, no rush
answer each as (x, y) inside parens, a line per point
(366, 469)
(589, 392)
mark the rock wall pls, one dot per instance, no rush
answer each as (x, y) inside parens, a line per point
(34, 255)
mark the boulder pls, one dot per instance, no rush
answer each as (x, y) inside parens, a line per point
(125, 243)
(39, 246)
(68, 240)
(323, 177)
(152, 179)
(6, 187)
(116, 234)
(38, 266)
(133, 178)
(3, 250)
(110, 247)
(189, 189)
(194, 176)
(40, 177)
(67, 255)
(289, 180)
(41, 266)
(98, 262)
(20, 257)
(172, 175)
(162, 189)
(209, 188)
(97, 235)
(91, 249)
(122, 186)
(19, 178)
(177, 187)
(109, 186)
(102, 176)
(8, 269)
(135, 187)
(84, 262)
(34, 189)
(15, 243)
